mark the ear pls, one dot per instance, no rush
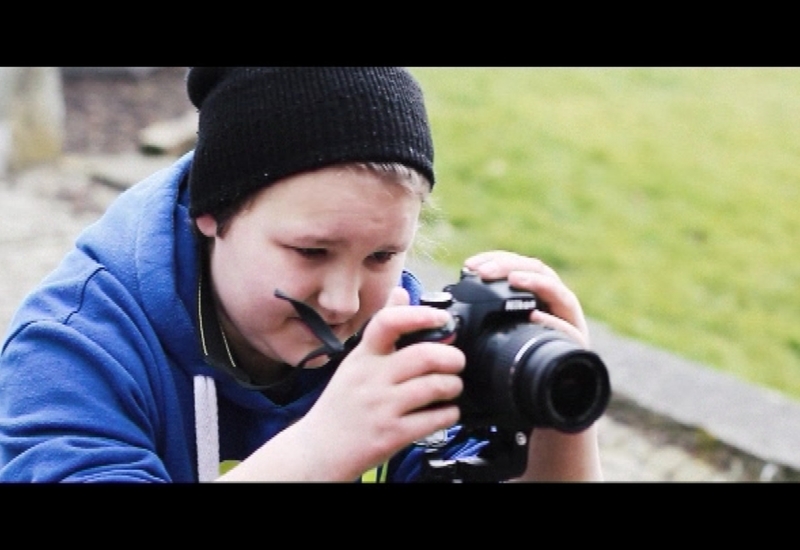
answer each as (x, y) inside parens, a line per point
(207, 225)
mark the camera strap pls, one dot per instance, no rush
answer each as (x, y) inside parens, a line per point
(331, 346)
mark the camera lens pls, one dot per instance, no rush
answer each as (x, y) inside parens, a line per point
(560, 384)
(529, 376)
(575, 388)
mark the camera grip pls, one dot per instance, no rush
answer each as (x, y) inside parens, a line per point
(439, 334)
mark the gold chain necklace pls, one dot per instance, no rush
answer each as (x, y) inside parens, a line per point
(219, 324)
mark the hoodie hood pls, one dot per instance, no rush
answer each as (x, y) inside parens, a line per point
(153, 256)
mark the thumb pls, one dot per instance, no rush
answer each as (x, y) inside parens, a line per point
(375, 335)
(398, 297)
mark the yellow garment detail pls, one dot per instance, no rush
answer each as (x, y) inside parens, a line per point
(226, 465)
(376, 475)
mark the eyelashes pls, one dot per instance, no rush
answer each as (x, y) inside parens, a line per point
(381, 257)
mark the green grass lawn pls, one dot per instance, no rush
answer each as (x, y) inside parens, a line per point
(667, 198)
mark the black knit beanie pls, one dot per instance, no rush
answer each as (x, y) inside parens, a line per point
(261, 124)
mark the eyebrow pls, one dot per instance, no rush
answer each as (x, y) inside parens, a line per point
(312, 241)
(308, 240)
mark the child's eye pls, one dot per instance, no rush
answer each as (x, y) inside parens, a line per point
(383, 257)
(311, 252)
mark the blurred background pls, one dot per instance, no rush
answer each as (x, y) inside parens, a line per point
(668, 199)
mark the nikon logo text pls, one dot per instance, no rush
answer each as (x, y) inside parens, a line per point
(520, 305)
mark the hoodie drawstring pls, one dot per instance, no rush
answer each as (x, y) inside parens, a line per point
(206, 428)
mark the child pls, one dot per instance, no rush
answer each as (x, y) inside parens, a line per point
(194, 332)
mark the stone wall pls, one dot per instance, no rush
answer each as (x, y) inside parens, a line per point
(32, 115)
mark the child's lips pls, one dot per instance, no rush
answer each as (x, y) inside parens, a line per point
(304, 327)
(338, 330)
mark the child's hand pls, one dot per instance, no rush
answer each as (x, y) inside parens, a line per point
(379, 399)
(535, 276)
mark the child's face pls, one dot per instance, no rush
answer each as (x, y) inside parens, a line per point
(334, 239)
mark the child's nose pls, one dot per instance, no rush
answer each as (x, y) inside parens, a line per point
(340, 295)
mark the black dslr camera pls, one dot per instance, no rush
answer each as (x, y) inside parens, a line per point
(518, 376)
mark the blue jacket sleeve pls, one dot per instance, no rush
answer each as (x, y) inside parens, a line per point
(83, 394)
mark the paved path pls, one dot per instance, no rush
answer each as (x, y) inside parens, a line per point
(669, 420)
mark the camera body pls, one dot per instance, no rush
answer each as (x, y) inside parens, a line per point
(518, 375)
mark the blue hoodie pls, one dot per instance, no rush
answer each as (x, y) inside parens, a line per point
(102, 373)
